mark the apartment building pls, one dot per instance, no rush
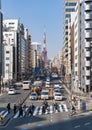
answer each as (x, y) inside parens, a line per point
(86, 45)
(76, 66)
(69, 7)
(1, 39)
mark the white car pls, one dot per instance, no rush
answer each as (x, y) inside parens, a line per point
(11, 92)
(56, 90)
(58, 96)
(33, 96)
(47, 84)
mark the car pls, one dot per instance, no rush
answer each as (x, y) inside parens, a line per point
(56, 90)
(58, 96)
(45, 94)
(11, 91)
(33, 96)
(47, 84)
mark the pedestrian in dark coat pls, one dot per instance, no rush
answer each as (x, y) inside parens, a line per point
(20, 111)
(8, 107)
(15, 108)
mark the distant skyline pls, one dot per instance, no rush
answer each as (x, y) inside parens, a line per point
(39, 16)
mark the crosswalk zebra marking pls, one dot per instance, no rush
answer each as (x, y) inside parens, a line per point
(51, 109)
(16, 115)
(60, 108)
(2, 112)
(5, 114)
(35, 111)
(65, 107)
(38, 111)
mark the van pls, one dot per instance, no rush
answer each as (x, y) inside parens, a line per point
(26, 85)
(47, 84)
(45, 94)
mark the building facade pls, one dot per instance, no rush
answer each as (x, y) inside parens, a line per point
(14, 48)
(69, 8)
(1, 40)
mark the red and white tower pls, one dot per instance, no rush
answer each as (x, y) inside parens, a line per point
(44, 52)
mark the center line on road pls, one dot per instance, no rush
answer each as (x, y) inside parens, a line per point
(77, 126)
(88, 123)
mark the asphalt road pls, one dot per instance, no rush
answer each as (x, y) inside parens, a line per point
(19, 96)
(59, 122)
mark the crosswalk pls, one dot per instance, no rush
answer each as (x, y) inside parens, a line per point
(38, 110)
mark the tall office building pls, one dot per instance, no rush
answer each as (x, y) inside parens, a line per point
(14, 50)
(1, 39)
(69, 8)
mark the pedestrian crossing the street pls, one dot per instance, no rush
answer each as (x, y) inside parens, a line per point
(38, 110)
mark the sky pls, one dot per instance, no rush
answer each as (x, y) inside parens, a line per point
(39, 16)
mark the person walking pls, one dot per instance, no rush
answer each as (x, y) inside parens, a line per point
(15, 108)
(8, 107)
(20, 111)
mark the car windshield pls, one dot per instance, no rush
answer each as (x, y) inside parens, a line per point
(33, 94)
(44, 93)
(57, 94)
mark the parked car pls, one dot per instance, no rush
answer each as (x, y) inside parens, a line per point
(58, 96)
(33, 96)
(12, 91)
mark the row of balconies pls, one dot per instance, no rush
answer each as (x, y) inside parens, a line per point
(88, 35)
(88, 16)
(88, 0)
(88, 25)
(88, 7)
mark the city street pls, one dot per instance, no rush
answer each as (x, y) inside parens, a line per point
(50, 122)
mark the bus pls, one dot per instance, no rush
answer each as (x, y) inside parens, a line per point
(26, 85)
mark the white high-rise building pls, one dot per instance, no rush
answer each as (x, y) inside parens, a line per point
(77, 46)
(86, 45)
(69, 8)
(1, 39)
(36, 54)
(14, 44)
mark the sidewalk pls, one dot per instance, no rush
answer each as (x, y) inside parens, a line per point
(81, 96)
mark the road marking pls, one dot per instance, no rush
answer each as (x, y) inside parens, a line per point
(16, 115)
(51, 109)
(2, 112)
(23, 129)
(40, 124)
(60, 107)
(5, 114)
(65, 107)
(77, 126)
(40, 111)
(66, 118)
(88, 123)
(36, 110)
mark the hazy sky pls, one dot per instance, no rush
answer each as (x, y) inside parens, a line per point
(37, 16)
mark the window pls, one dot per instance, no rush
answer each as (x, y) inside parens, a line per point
(7, 52)
(70, 4)
(7, 58)
(70, 10)
(68, 16)
(11, 23)
(7, 64)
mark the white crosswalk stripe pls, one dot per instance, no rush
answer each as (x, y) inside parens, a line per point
(38, 110)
